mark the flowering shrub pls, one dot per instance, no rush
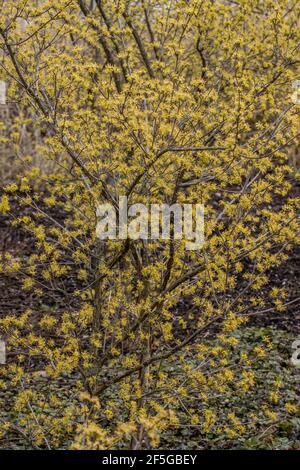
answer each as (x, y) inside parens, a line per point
(162, 102)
